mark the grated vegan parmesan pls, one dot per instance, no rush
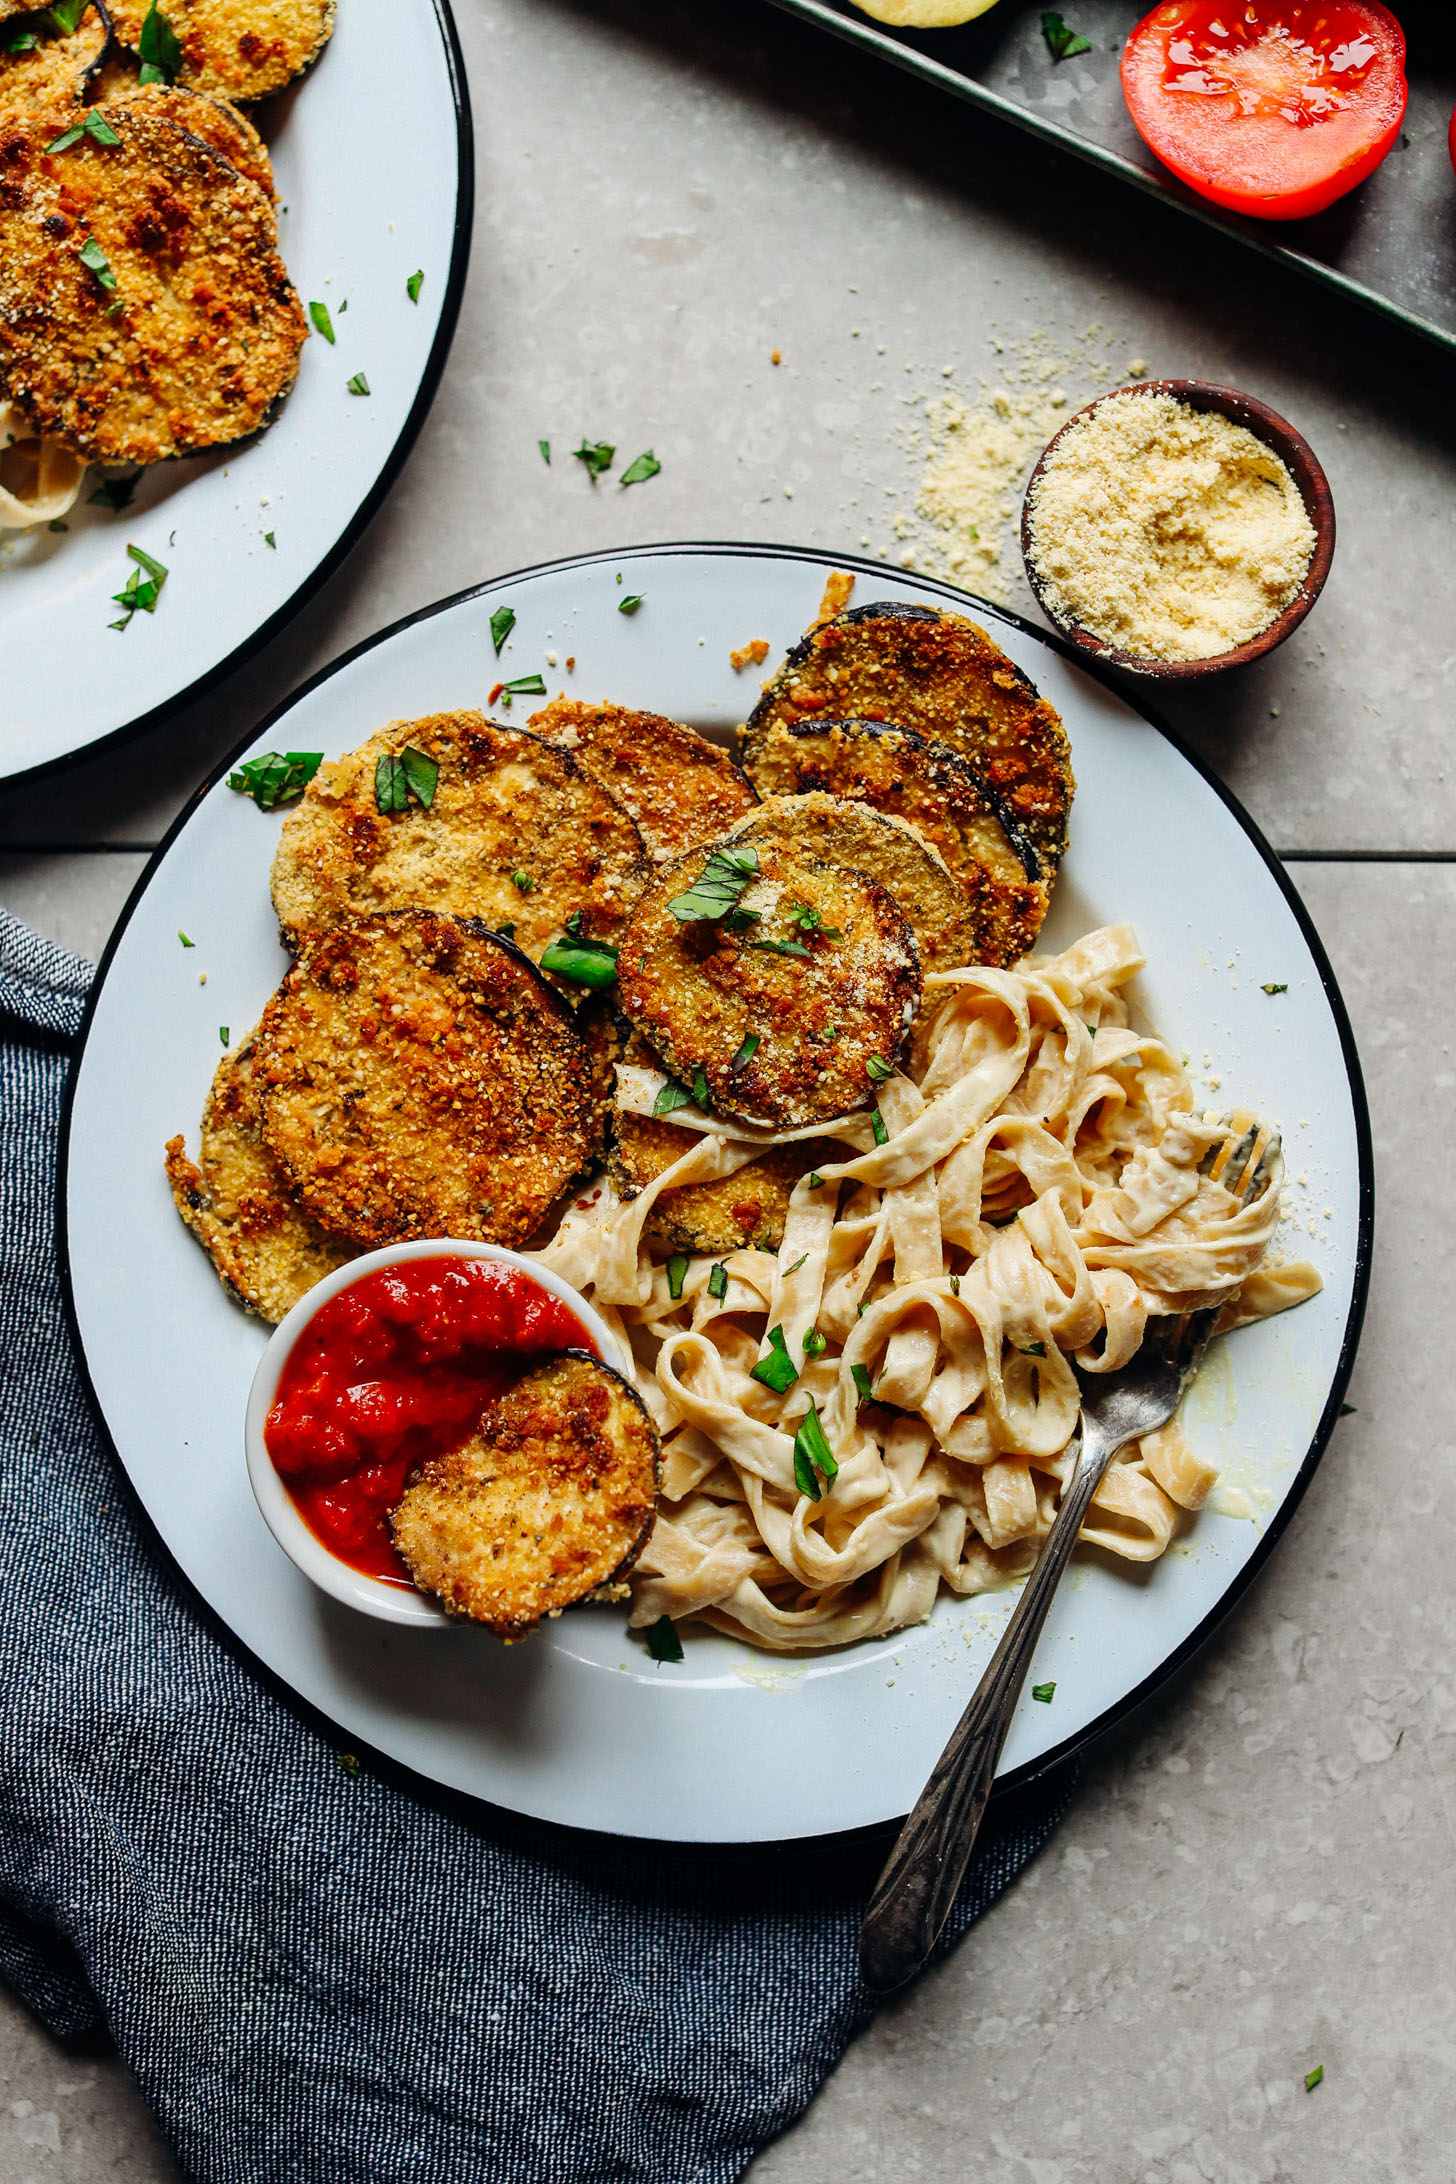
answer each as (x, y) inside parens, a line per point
(1170, 533)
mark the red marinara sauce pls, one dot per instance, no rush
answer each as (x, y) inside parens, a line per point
(393, 1370)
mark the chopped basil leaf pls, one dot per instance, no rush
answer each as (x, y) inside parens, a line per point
(115, 493)
(877, 1124)
(670, 1098)
(1274, 989)
(508, 930)
(1062, 44)
(526, 686)
(413, 286)
(878, 1069)
(97, 126)
(802, 1260)
(718, 1280)
(158, 48)
(56, 524)
(631, 603)
(400, 775)
(723, 879)
(862, 1307)
(955, 1285)
(142, 588)
(777, 947)
(277, 777)
(1312, 2077)
(23, 41)
(1043, 1691)
(502, 622)
(94, 258)
(577, 956)
(743, 921)
(1347, 1410)
(745, 1054)
(1034, 1349)
(68, 137)
(812, 1453)
(816, 1182)
(814, 1343)
(860, 1375)
(522, 882)
(809, 920)
(421, 773)
(319, 313)
(66, 15)
(358, 384)
(184, 940)
(223, 1033)
(349, 1764)
(639, 471)
(702, 1097)
(677, 1269)
(778, 1370)
(663, 1642)
(270, 540)
(545, 447)
(597, 455)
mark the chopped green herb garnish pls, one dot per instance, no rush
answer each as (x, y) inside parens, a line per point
(502, 622)
(778, 947)
(142, 588)
(522, 882)
(413, 286)
(159, 48)
(877, 1069)
(745, 1054)
(114, 493)
(1312, 2077)
(597, 455)
(545, 447)
(184, 940)
(22, 41)
(702, 1097)
(508, 930)
(955, 1285)
(723, 879)
(66, 15)
(816, 1181)
(422, 774)
(718, 1280)
(778, 1370)
(358, 384)
(319, 313)
(270, 540)
(663, 1642)
(1347, 1410)
(526, 686)
(802, 1260)
(860, 1375)
(862, 1307)
(95, 260)
(809, 920)
(56, 524)
(644, 466)
(223, 1033)
(349, 1764)
(400, 775)
(812, 1453)
(277, 777)
(1274, 989)
(630, 604)
(577, 956)
(92, 124)
(814, 1343)
(1043, 1691)
(677, 1269)
(1034, 1349)
(670, 1098)
(1062, 44)
(877, 1124)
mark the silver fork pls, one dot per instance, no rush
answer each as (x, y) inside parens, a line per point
(913, 1896)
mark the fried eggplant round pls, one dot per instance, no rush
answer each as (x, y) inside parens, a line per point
(221, 125)
(46, 68)
(420, 1078)
(737, 1211)
(240, 1205)
(679, 787)
(931, 787)
(515, 833)
(942, 675)
(243, 49)
(144, 308)
(550, 1499)
(885, 848)
(786, 982)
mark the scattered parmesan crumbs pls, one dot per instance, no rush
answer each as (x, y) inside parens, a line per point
(1170, 533)
(753, 654)
(837, 588)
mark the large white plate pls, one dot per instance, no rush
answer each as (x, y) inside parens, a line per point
(372, 157)
(578, 1725)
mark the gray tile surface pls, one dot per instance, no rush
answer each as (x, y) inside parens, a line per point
(1255, 1878)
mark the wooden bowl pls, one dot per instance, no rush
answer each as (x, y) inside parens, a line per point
(1303, 465)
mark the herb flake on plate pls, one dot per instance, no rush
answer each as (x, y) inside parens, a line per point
(663, 1642)
(1043, 1692)
(630, 604)
(358, 384)
(545, 447)
(413, 286)
(577, 956)
(1062, 44)
(597, 457)
(1274, 989)
(502, 622)
(1313, 2077)
(276, 778)
(323, 324)
(142, 588)
(641, 468)
(525, 686)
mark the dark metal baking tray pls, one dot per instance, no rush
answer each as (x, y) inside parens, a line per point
(1391, 244)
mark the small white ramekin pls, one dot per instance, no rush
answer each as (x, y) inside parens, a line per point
(370, 1595)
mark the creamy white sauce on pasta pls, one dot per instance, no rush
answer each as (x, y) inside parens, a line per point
(1037, 1198)
(39, 478)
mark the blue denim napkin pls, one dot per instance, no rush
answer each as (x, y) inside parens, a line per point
(327, 1977)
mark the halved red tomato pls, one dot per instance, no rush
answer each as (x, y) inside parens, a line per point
(1271, 107)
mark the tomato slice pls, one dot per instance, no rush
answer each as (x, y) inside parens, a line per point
(1270, 107)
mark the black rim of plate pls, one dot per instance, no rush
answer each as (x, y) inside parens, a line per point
(1010, 1785)
(389, 470)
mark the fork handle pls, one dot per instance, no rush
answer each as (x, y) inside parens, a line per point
(913, 1895)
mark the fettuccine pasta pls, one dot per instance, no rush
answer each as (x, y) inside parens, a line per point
(39, 478)
(1036, 1197)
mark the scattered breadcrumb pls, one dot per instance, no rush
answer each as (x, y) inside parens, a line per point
(753, 654)
(837, 589)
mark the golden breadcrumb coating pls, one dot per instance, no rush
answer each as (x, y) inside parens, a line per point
(679, 787)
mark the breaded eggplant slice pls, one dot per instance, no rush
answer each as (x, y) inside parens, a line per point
(932, 788)
(604, 1034)
(679, 787)
(420, 1078)
(243, 49)
(942, 675)
(516, 833)
(550, 1499)
(790, 1004)
(886, 849)
(240, 1205)
(221, 126)
(47, 69)
(182, 331)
